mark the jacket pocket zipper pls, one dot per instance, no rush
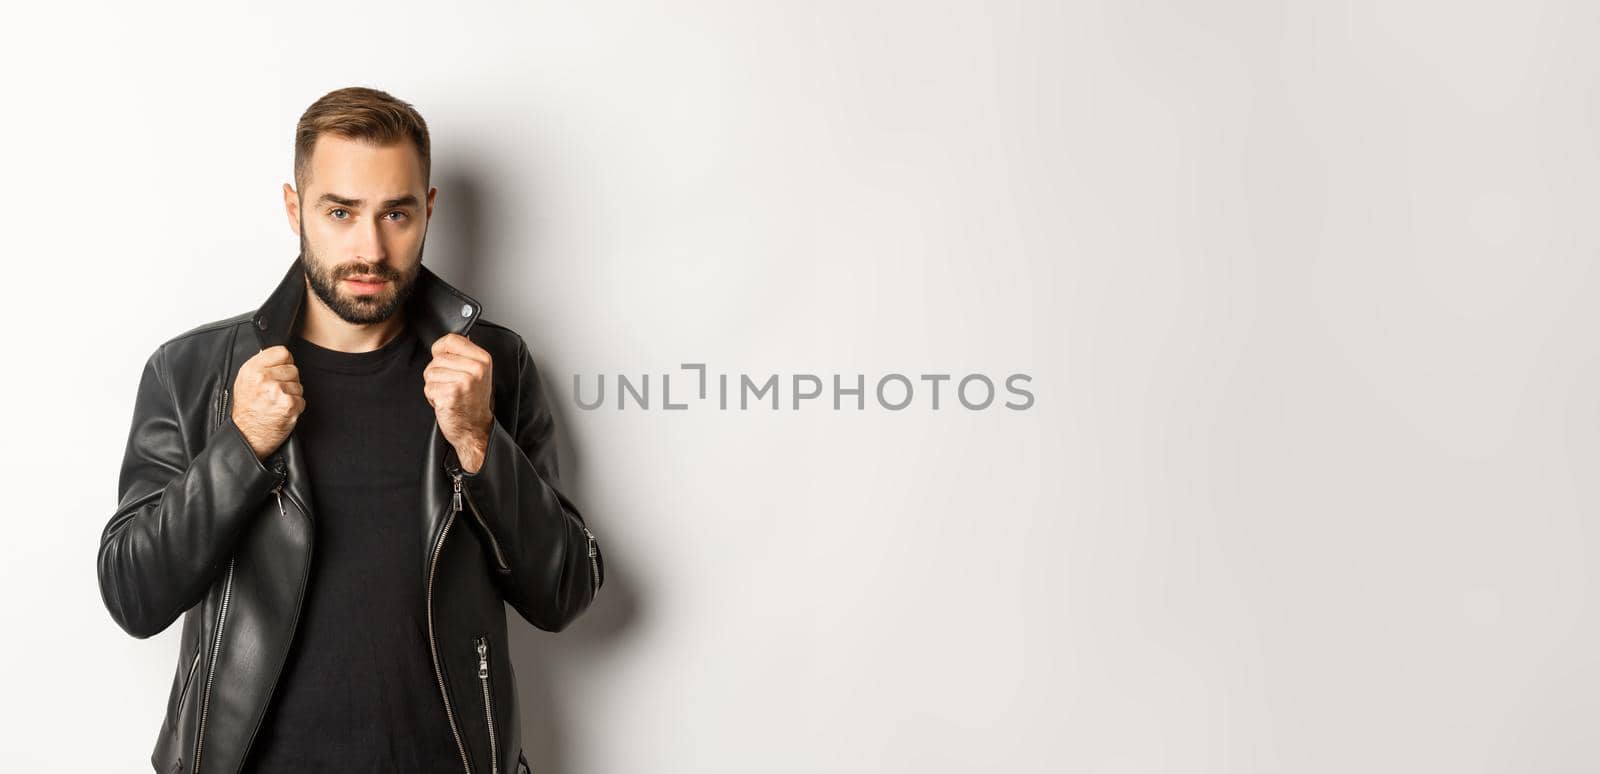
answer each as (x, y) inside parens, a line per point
(488, 701)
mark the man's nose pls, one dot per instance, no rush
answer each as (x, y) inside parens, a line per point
(369, 248)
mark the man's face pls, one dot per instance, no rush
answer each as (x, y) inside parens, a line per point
(361, 215)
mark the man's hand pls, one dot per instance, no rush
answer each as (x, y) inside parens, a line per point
(267, 399)
(457, 383)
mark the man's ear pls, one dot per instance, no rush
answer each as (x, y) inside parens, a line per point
(291, 208)
(431, 193)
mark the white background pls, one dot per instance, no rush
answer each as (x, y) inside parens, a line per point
(1306, 292)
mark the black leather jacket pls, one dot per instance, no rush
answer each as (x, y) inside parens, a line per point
(205, 529)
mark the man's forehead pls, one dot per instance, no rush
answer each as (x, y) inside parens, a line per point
(389, 165)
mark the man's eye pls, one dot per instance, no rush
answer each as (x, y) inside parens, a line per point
(338, 213)
(401, 214)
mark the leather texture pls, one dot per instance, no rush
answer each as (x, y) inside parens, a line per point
(207, 531)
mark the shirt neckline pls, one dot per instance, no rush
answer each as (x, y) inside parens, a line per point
(309, 355)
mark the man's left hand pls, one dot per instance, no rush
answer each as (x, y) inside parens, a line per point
(457, 383)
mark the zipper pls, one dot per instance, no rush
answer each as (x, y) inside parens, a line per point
(594, 564)
(455, 503)
(488, 701)
(433, 645)
(216, 649)
(222, 409)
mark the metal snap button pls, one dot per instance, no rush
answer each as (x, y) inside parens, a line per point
(466, 310)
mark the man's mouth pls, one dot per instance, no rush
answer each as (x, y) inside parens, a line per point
(365, 284)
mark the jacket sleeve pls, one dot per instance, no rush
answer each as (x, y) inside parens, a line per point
(548, 564)
(177, 517)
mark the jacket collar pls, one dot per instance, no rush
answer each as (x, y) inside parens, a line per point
(434, 308)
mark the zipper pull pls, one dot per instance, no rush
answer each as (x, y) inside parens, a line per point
(591, 540)
(483, 658)
(280, 467)
(455, 499)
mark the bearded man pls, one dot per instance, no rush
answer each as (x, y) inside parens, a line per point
(340, 490)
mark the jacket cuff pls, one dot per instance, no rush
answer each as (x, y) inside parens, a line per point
(234, 448)
(491, 492)
(520, 513)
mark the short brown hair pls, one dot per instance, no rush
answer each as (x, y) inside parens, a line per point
(358, 113)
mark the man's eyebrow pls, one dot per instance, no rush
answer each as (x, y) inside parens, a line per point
(409, 200)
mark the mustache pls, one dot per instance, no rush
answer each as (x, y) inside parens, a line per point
(380, 271)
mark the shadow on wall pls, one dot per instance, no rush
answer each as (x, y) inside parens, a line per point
(455, 249)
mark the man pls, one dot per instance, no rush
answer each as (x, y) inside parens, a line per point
(339, 490)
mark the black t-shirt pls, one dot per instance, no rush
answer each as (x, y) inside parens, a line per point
(358, 693)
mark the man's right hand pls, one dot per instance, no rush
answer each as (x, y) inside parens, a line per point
(267, 399)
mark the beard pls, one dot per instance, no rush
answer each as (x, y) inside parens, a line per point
(359, 310)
